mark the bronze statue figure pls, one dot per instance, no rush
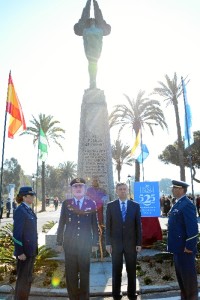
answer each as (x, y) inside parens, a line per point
(92, 30)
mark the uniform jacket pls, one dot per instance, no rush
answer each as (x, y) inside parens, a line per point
(182, 226)
(25, 231)
(123, 235)
(78, 228)
(8, 205)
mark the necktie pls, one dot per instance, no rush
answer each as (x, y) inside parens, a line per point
(78, 204)
(123, 211)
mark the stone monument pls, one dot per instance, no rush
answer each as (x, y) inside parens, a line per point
(94, 155)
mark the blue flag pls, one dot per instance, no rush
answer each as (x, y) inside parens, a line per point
(188, 134)
(144, 153)
(139, 150)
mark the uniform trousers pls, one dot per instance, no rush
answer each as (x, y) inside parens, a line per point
(8, 214)
(24, 278)
(117, 266)
(77, 270)
(186, 275)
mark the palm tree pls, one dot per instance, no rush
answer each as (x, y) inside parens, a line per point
(53, 134)
(68, 171)
(138, 114)
(170, 92)
(121, 156)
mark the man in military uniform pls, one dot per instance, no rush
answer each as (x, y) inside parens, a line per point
(182, 240)
(78, 233)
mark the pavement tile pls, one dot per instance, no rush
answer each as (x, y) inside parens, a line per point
(97, 280)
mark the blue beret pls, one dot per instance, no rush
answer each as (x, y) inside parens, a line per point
(181, 184)
(77, 180)
(26, 190)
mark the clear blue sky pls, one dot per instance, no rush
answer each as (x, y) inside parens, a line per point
(149, 38)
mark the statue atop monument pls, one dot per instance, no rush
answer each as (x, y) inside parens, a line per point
(92, 30)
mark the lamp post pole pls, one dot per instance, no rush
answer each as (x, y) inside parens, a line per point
(142, 154)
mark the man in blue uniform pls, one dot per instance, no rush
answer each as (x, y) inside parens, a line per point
(182, 240)
(78, 233)
(25, 240)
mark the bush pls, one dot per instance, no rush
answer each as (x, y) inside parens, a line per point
(8, 261)
(6, 244)
(42, 259)
(147, 280)
(47, 226)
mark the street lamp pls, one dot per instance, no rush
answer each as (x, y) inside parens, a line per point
(129, 185)
(33, 181)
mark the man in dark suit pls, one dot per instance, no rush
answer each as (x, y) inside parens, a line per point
(26, 241)
(123, 239)
(182, 240)
(78, 233)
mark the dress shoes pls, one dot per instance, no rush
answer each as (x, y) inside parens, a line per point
(133, 297)
(119, 297)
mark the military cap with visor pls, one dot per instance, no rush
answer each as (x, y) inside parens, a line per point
(77, 180)
(179, 184)
(26, 190)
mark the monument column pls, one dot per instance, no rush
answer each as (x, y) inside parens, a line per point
(94, 154)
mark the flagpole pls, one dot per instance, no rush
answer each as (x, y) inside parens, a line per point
(36, 186)
(2, 159)
(142, 154)
(3, 148)
(188, 136)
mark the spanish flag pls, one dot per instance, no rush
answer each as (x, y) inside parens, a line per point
(13, 107)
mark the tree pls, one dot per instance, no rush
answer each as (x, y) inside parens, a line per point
(68, 171)
(171, 91)
(171, 155)
(52, 133)
(12, 174)
(138, 114)
(53, 184)
(164, 185)
(122, 156)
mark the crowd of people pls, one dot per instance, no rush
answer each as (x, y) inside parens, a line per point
(7, 208)
(166, 203)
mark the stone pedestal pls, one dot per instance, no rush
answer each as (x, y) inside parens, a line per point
(94, 156)
(51, 237)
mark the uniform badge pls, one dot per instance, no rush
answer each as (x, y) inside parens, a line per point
(88, 208)
(175, 211)
(69, 207)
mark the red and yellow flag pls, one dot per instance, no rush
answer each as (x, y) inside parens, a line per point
(13, 107)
